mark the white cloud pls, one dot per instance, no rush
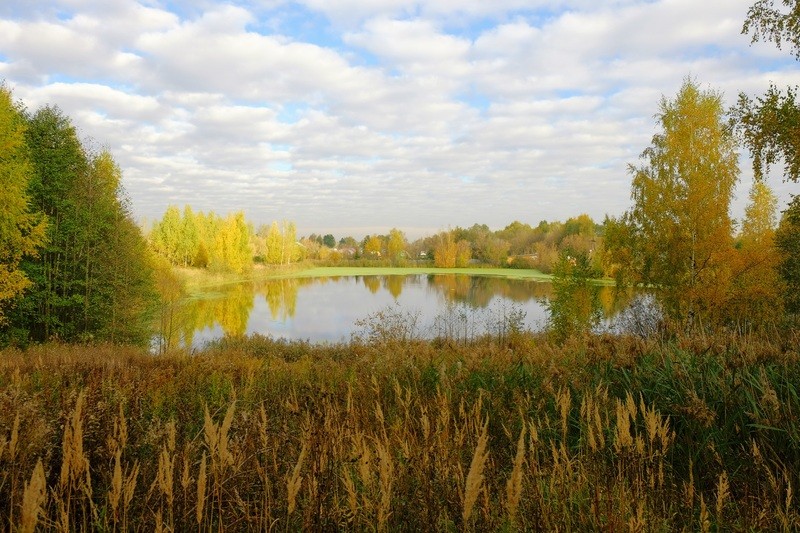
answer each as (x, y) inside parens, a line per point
(378, 114)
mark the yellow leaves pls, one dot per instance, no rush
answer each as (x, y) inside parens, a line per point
(21, 231)
(449, 254)
(682, 194)
(760, 214)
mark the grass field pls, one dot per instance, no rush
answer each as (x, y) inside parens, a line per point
(499, 434)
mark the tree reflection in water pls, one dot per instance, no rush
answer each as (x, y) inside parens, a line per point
(338, 303)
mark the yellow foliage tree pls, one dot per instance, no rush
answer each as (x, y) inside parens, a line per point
(373, 246)
(21, 230)
(679, 227)
(444, 253)
(756, 288)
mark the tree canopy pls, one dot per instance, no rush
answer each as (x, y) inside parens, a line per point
(679, 228)
(92, 278)
(770, 124)
(22, 231)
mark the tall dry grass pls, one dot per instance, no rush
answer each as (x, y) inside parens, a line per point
(603, 433)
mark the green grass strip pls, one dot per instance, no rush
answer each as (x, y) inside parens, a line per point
(509, 273)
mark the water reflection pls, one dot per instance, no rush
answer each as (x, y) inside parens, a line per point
(326, 309)
(479, 291)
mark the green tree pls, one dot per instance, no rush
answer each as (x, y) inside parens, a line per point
(787, 240)
(22, 231)
(55, 306)
(348, 242)
(519, 236)
(329, 240)
(94, 277)
(770, 124)
(167, 234)
(580, 225)
(680, 229)
(189, 244)
(121, 290)
(486, 245)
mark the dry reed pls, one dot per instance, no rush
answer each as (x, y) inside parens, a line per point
(426, 437)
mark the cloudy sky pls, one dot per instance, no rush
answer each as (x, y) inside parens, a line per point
(355, 116)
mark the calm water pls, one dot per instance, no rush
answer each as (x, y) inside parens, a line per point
(333, 309)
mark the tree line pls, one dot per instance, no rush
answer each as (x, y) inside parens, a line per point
(73, 264)
(194, 239)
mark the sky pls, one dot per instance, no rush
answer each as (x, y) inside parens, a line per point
(356, 116)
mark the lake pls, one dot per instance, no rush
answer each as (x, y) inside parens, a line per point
(333, 309)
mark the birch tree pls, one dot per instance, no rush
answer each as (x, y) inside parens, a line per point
(680, 227)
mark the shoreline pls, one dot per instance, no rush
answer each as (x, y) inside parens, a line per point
(199, 279)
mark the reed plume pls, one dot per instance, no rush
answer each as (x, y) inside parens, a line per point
(475, 476)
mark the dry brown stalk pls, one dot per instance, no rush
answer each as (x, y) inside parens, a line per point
(75, 474)
(120, 429)
(74, 461)
(186, 475)
(689, 490)
(128, 492)
(705, 523)
(33, 499)
(475, 475)
(14, 440)
(217, 439)
(425, 423)
(723, 492)
(352, 495)
(514, 483)
(201, 491)
(263, 427)
(166, 475)
(564, 404)
(225, 455)
(294, 482)
(115, 494)
(386, 476)
(263, 436)
(623, 438)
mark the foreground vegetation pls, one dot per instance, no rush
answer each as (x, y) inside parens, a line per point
(508, 433)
